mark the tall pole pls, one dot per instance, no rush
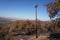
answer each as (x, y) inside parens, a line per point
(36, 19)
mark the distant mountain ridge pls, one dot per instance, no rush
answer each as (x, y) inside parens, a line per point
(6, 19)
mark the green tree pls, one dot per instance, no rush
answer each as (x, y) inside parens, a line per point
(53, 8)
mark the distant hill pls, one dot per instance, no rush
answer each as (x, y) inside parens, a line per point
(6, 19)
(4, 22)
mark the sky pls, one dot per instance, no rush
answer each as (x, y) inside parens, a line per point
(24, 9)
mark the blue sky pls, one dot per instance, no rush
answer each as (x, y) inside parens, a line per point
(23, 9)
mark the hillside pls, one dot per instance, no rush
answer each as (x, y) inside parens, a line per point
(26, 29)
